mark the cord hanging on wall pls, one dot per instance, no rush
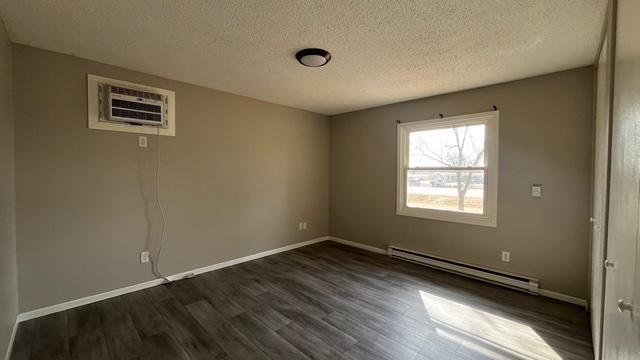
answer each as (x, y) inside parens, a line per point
(156, 264)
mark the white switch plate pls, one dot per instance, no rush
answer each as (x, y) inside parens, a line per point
(304, 226)
(142, 141)
(144, 257)
(506, 256)
(536, 190)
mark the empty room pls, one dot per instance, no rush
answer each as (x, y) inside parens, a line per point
(319, 179)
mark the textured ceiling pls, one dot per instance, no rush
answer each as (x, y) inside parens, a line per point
(383, 51)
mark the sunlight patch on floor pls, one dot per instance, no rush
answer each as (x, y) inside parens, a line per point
(485, 333)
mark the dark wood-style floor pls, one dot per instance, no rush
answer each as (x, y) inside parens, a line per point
(325, 301)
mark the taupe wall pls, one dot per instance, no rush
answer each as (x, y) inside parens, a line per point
(236, 180)
(545, 137)
(8, 270)
(241, 173)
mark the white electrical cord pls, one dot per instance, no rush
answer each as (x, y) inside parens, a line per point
(164, 219)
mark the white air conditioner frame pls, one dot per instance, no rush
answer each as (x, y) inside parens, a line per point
(93, 108)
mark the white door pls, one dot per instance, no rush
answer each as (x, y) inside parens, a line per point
(600, 190)
(621, 338)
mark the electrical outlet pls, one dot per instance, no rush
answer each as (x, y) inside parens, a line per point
(144, 257)
(304, 226)
(506, 256)
(300, 226)
(142, 141)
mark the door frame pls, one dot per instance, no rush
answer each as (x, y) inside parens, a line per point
(608, 39)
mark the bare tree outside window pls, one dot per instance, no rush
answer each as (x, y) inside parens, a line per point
(447, 168)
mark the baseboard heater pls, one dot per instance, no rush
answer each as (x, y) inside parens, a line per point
(513, 281)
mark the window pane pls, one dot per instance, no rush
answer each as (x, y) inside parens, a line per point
(461, 191)
(455, 146)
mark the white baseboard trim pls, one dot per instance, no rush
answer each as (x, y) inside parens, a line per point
(358, 245)
(541, 292)
(563, 297)
(136, 287)
(87, 300)
(12, 339)
(132, 288)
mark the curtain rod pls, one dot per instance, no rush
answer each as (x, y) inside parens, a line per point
(495, 108)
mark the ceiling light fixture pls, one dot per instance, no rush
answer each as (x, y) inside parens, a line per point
(313, 57)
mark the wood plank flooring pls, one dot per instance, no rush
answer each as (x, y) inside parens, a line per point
(324, 301)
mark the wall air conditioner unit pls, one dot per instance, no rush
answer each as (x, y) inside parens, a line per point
(123, 106)
(132, 106)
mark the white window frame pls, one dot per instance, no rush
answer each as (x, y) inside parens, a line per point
(490, 207)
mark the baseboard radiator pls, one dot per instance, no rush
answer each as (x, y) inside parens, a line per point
(513, 281)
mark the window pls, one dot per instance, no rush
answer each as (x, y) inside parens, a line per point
(448, 169)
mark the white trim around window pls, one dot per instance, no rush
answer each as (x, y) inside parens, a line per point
(489, 168)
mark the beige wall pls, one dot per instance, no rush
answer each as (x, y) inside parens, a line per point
(8, 270)
(545, 137)
(241, 173)
(236, 180)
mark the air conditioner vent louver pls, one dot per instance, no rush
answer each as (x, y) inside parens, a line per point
(135, 93)
(136, 115)
(135, 106)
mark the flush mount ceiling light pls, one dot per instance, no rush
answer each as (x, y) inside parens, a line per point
(313, 57)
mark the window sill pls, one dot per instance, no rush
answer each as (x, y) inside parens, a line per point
(450, 216)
